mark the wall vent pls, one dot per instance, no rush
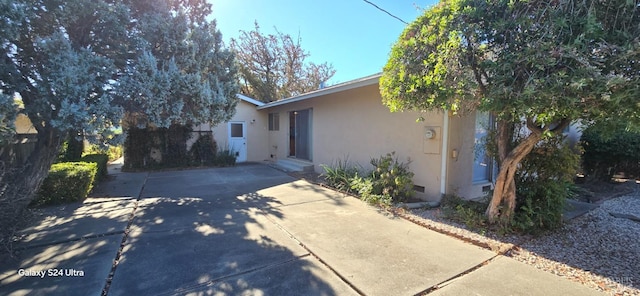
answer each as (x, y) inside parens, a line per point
(419, 188)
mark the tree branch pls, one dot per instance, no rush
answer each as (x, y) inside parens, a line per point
(561, 126)
(475, 67)
(533, 127)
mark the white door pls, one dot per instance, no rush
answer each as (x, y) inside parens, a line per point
(238, 140)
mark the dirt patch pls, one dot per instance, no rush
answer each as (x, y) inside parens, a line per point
(600, 191)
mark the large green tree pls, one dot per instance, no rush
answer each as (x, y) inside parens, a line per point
(80, 65)
(540, 63)
(275, 66)
(183, 74)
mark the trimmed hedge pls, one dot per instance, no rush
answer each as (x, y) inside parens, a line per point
(607, 153)
(100, 160)
(67, 182)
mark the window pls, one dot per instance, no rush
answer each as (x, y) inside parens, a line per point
(482, 163)
(274, 121)
(236, 130)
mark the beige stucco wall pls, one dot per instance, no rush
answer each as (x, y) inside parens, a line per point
(257, 131)
(355, 124)
(460, 168)
(24, 126)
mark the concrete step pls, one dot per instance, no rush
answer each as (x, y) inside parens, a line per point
(294, 165)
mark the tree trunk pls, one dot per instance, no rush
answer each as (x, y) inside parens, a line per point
(503, 201)
(20, 182)
(75, 146)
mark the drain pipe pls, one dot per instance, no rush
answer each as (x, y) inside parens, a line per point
(445, 153)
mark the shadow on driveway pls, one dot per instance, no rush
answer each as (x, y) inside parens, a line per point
(199, 231)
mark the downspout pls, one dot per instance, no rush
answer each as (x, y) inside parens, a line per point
(445, 153)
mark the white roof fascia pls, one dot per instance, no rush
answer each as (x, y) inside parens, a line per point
(364, 81)
(249, 100)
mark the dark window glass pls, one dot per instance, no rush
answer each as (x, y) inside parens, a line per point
(236, 130)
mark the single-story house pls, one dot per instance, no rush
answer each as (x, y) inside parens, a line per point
(349, 121)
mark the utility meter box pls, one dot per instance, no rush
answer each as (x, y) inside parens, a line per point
(432, 140)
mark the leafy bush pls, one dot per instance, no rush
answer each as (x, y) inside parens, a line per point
(100, 160)
(67, 182)
(389, 182)
(609, 152)
(171, 145)
(340, 174)
(468, 212)
(365, 187)
(170, 142)
(113, 152)
(540, 205)
(204, 150)
(543, 182)
(71, 149)
(392, 178)
(225, 157)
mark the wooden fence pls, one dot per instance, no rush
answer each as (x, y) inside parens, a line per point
(19, 150)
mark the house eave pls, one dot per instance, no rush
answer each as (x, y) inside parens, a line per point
(250, 100)
(360, 82)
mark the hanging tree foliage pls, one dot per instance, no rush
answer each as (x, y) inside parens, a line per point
(183, 75)
(543, 63)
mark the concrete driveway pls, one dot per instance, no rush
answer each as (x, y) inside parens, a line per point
(248, 230)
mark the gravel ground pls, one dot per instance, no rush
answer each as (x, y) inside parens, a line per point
(596, 249)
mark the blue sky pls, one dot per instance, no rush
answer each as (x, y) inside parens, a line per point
(352, 35)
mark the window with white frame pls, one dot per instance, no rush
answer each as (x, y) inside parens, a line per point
(274, 121)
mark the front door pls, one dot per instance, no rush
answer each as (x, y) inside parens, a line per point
(300, 134)
(238, 140)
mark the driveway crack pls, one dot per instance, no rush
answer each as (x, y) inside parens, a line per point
(451, 279)
(333, 270)
(116, 260)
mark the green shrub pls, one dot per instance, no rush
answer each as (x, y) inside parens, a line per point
(389, 182)
(468, 212)
(340, 174)
(67, 182)
(392, 178)
(113, 152)
(543, 182)
(540, 205)
(365, 188)
(610, 152)
(225, 157)
(100, 160)
(204, 151)
(70, 150)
